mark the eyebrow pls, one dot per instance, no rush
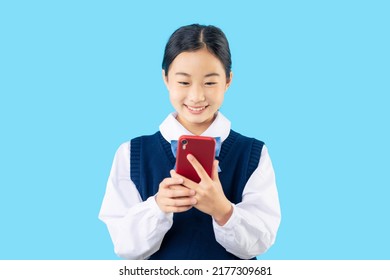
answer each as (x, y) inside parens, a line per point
(211, 75)
(188, 75)
(183, 74)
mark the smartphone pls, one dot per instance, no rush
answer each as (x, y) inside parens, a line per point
(202, 148)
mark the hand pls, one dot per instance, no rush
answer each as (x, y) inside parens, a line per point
(209, 196)
(173, 197)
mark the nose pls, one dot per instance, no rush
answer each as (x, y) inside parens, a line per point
(196, 94)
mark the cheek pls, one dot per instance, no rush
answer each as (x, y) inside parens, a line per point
(175, 97)
(219, 100)
(216, 95)
(177, 93)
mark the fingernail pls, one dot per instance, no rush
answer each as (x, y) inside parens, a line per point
(190, 157)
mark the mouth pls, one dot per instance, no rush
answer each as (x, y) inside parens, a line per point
(197, 109)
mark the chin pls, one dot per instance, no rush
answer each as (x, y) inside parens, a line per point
(201, 119)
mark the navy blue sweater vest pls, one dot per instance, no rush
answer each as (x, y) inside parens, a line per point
(191, 235)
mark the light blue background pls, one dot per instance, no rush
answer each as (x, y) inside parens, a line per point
(311, 79)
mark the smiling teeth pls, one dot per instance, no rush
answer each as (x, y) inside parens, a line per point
(196, 109)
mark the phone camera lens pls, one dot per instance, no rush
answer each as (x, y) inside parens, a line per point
(184, 142)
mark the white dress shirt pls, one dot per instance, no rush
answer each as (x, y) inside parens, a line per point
(137, 227)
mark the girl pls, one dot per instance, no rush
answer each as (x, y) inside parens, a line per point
(152, 212)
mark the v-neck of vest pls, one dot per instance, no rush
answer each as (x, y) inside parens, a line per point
(225, 148)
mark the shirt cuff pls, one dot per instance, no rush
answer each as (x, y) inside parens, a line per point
(157, 211)
(230, 223)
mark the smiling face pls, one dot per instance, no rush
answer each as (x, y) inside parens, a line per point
(197, 84)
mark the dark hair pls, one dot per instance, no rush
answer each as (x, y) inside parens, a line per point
(195, 37)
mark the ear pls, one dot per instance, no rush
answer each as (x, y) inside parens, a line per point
(229, 80)
(165, 78)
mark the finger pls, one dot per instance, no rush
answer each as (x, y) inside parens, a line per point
(186, 182)
(170, 205)
(180, 191)
(177, 187)
(183, 189)
(174, 174)
(198, 167)
(167, 182)
(181, 202)
(176, 209)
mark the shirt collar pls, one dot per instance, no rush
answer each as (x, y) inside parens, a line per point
(171, 129)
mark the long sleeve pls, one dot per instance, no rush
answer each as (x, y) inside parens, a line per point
(136, 227)
(252, 228)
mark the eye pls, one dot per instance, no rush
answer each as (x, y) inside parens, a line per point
(209, 84)
(184, 83)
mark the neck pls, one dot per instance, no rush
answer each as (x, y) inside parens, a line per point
(196, 128)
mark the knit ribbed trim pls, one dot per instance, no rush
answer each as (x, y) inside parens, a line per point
(255, 145)
(227, 144)
(166, 146)
(135, 159)
(254, 159)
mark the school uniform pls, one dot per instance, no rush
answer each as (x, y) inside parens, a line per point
(140, 230)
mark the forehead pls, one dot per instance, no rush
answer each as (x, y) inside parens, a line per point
(197, 62)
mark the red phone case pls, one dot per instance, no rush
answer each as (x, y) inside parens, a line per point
(202, 148)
